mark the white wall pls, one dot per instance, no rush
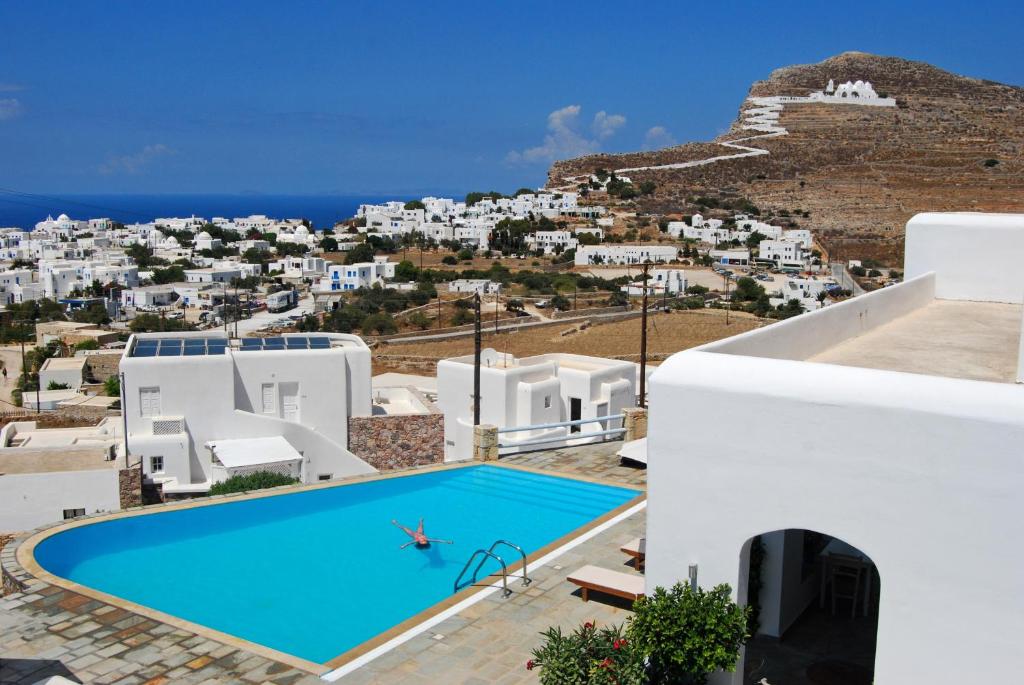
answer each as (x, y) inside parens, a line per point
(975, 256)
(808, 334)
(921, 473)
(31, 500)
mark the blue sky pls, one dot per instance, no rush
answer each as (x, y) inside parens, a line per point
(408, 97)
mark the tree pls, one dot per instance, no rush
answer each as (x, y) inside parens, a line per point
(95, 313)
(362, 252)
(696, 290)
(54, 385)
(792, 308)
(688, 634)
(648, 187)
(561, 303)
(380, 323)
(466, 254)
(329, 244)
(414, 204)
(515, 306)
(587, 239)
(449, 259)
(406, 271)
(747, 290)
(112, 386)
(419, 320)
(755, 238)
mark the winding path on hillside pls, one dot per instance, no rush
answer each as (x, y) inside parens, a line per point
(763, 117)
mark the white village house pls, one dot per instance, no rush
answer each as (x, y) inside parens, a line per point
(903, 418)
(532, 391)
(189, 398)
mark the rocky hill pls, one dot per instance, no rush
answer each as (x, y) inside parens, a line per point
(856, 172)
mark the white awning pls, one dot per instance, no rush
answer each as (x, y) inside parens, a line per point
(253, 451)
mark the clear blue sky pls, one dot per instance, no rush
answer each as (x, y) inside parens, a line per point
(400, 97)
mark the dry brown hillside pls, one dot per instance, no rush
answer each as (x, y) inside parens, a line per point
(860, 172)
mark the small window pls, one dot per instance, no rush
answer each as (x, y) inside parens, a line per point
(324, 476)
(156, 464)
(547, 401)
(73, 513)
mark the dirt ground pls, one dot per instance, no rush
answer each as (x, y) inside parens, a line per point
(431, 259)
(666, 333)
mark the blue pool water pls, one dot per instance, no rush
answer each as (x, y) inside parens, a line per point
(316, 573)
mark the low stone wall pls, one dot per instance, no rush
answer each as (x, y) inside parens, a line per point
(466, 329)
(396, 442)
(129, 482)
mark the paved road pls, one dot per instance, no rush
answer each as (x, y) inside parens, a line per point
(844, 279)
(512, 326)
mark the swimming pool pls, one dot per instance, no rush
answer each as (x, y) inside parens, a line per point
(318, 572)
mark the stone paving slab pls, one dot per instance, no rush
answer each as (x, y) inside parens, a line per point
(46, 630)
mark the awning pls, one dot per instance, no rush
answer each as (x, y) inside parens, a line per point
(253, 451)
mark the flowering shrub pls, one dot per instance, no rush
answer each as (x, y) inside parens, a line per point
(677, 636)
(588, 656)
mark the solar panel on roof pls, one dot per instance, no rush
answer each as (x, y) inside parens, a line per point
(195, 351)
(143, 344)
(169, 352)
(297, 342)
(195, 342)
(251, 343)
(145, 352)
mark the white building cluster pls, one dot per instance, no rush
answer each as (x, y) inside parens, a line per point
(445, 219)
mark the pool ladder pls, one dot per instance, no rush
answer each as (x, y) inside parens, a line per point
(486, 554)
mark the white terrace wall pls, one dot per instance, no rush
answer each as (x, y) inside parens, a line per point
(35, 499)
(975, 256)
(919, 472)
(808, 334)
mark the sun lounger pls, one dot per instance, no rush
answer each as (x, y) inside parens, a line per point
(627, 585)
(636, 548)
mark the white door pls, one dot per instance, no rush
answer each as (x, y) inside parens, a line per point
(290, 401)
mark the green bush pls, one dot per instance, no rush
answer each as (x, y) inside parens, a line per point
(251, 481)
(54, 385)
(449, 259)
(112, 386)
(688, 634)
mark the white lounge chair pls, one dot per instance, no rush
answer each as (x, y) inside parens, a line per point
(626, 585)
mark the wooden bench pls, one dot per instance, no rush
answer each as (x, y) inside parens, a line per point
(637, 549)
(626, 585)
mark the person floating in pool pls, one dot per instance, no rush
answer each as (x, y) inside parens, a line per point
(418, 537)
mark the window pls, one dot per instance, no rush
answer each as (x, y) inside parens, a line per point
(324, 476)
(268, 399)
(149, 402)
(156, 464)
(547, 401)
(73, 513)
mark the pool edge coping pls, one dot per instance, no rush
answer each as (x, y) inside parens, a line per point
(23, 554)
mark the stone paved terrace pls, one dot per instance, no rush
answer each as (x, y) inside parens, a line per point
(50, 631)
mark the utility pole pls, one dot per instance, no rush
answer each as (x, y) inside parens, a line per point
(643, 339)
(476, 361)
(728, 302)
(575, 293)
(438, 303)
(496, 298)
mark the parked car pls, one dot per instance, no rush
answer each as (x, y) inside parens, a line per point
(541, 304)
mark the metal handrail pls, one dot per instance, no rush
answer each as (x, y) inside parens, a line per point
(560, 424)
(504, 570)
(561, 438)
(526, 579)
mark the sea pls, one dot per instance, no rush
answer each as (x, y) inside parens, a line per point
(24, 210)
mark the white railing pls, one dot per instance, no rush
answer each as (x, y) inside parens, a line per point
(563, 437)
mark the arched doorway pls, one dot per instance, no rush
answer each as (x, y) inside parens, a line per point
(815, 602)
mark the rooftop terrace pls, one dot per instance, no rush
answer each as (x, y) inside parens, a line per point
(970, 340)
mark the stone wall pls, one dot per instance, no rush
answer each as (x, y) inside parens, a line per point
(394, 442)
(129, 483)
(102, 365)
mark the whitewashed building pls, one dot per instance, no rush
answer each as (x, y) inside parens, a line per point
(894, 436)
(625, 254)
(187, 395)
(532, 391)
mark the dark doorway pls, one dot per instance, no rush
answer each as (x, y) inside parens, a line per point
(575, 410)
